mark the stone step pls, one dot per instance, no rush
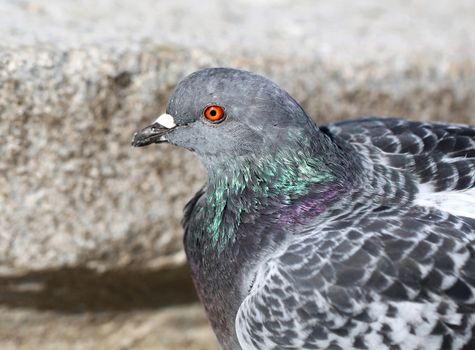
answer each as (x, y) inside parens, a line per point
(78, 78)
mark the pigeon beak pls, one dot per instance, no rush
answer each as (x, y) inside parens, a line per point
(155, 133)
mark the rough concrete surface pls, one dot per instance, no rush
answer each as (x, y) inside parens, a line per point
(115, 310)
(77, 78)
(170, 328)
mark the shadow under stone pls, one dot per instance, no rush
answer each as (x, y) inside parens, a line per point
(79, 290)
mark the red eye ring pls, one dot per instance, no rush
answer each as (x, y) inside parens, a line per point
(214, 113)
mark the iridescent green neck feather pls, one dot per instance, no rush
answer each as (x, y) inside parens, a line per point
(245, 185)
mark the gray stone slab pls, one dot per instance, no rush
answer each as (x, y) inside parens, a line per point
(78, 78)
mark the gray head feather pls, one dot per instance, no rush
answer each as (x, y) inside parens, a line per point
(259, 114)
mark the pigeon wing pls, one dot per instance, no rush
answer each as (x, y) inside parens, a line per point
(401, 280)
(442, 156)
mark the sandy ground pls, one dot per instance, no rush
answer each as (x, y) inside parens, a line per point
(172, 328)
(114, 310)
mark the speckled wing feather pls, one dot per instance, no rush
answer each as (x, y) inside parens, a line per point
(394, 276)
(402, 280)
(442, 155)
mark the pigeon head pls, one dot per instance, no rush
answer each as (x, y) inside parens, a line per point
(221, 112)
(260, 148)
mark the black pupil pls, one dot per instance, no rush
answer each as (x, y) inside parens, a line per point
(212, 113)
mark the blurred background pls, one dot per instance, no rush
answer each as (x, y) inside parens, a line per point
(90, 238)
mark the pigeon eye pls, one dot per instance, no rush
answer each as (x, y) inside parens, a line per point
(214, 113)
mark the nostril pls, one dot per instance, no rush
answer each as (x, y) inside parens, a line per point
(155, 127)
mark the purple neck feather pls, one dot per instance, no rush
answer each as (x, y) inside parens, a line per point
(302, 210)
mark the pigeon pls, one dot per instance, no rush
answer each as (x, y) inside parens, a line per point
(353, 235)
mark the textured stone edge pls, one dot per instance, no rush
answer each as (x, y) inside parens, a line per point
(417, 88)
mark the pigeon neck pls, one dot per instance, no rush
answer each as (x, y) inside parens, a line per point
(294, 181)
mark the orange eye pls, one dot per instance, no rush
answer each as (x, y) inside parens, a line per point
(214, 113)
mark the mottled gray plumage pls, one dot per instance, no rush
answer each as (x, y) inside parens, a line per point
(354, 235)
